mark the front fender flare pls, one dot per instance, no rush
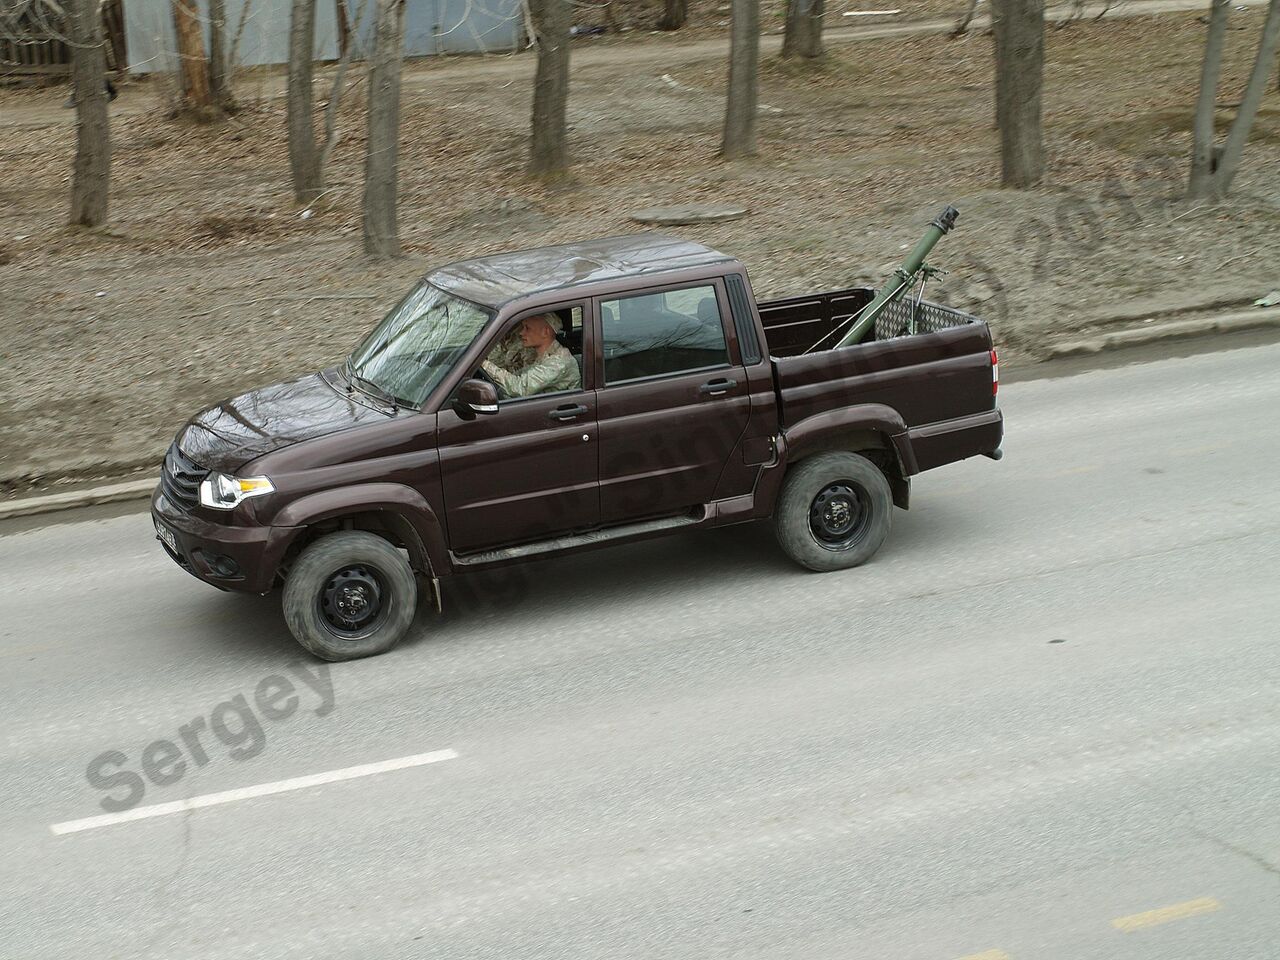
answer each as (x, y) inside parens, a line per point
(396, 498)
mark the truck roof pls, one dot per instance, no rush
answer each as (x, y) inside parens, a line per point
(498, 279)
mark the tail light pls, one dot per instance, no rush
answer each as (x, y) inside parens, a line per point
(995, 373)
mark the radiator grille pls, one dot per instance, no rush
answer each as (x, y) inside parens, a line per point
(180, 479)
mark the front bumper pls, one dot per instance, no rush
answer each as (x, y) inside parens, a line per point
(228, 557)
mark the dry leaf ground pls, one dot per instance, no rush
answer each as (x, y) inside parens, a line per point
(199, 287)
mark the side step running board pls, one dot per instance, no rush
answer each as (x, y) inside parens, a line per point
(564, 543)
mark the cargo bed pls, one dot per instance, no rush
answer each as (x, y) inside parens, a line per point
(936, 384)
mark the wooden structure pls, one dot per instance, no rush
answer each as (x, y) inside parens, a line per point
(33, 37)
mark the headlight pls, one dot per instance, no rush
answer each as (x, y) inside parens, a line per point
(222, 492)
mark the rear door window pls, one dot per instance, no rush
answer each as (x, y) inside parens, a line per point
(657, 334)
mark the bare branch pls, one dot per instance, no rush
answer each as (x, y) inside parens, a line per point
(336, 91)
(233, 55)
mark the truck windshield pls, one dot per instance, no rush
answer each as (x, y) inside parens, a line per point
(417, 343)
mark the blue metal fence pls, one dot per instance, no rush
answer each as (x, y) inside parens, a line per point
(431, 27)
(451, 26)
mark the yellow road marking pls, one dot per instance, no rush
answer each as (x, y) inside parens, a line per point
(1179, 911)
(988, 955)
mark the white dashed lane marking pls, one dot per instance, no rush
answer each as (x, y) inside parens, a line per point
(248, 793)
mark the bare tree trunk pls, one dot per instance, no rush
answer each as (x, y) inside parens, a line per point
(381, 235)
(744, 81)
(674, 15)
(967, 19)
(304, 156)
(91, 172)
(1233, 149)
(803, 33)
(1200, 182)
(344, 26)
(193, 65)
(219, 69)
(1019, 41)
(549, 135)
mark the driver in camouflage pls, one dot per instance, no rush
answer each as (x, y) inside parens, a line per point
(543, 365)
(511, 353)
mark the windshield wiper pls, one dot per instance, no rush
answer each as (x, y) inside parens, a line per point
(367, 386)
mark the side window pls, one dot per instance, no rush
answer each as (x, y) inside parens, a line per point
(660, 333)
(539, 354)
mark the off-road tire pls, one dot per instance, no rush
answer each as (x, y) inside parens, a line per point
(317, 565)
(794, 521)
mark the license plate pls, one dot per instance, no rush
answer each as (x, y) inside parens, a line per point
(166, 536)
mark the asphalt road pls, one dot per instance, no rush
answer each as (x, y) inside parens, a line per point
(1043, 723)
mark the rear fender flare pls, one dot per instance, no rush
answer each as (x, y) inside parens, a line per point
(835, 429)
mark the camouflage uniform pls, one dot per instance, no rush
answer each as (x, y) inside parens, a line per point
(555, 370)
(511, 353)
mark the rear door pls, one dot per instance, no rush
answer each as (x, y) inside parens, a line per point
(673, 401)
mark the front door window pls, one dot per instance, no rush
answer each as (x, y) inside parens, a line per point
(540, 354)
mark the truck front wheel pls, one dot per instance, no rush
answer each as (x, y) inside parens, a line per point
(834, 511)
(349, 595)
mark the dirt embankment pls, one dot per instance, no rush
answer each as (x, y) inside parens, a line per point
(210, 280)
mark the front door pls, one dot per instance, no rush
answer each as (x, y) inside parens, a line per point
(528, 472)
(673, 405)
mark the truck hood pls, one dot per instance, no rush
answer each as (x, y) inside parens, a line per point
(244, 428)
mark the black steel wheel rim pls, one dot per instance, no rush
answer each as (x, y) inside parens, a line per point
(840, 515)
(354, 601)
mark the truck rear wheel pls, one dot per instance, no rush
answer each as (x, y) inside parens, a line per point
(834, 511)
(350, 595)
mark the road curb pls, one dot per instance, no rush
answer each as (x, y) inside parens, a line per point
(72, 499)
(1175, 330)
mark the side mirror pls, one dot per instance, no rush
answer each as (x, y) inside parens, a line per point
(476, 396)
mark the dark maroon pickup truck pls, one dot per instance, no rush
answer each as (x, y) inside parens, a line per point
(644, 392)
